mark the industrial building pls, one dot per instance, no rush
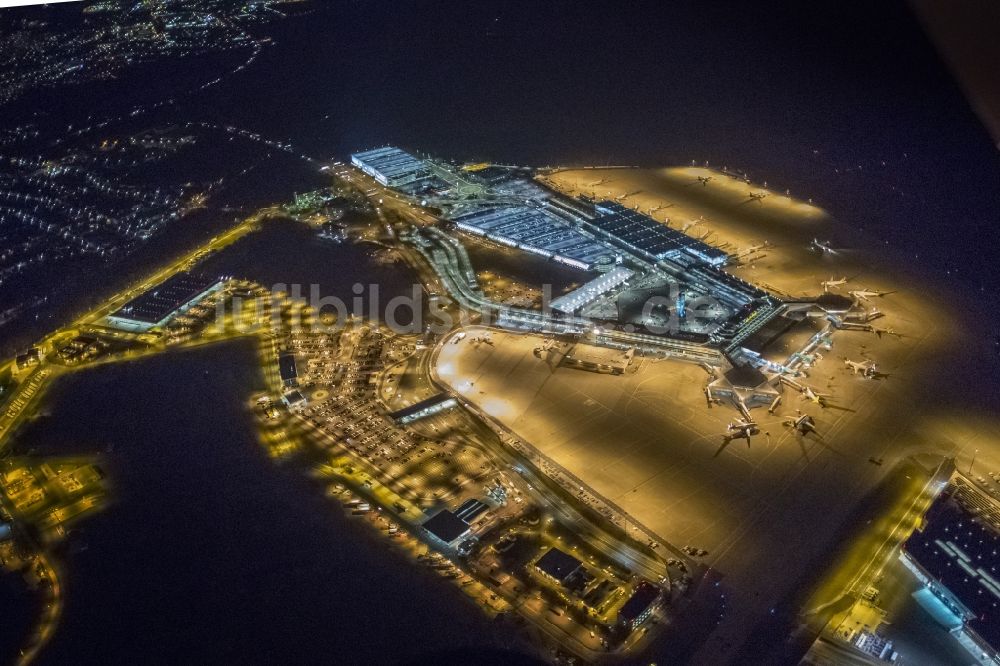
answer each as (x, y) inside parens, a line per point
(286, 368)
(647, 238)
(639, 606)
(391, 166)
(446, 527)
(557, 565)
(535, 230)
(450, 527)
(591, 291)
(956, 555)
(295, 401)
(155, 307)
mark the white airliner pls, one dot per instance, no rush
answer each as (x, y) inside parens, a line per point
(827, 284)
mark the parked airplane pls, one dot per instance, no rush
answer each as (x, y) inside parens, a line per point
(888, 331)
(818, 398)
(822, 246)
(803, 423)
(741, 429)
(827, 284)
(627, 195)
(868, 294)
(867, 367)
(753, 248)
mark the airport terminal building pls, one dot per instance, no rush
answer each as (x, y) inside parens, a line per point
(638, 257)
(535, 230)
(649, 238)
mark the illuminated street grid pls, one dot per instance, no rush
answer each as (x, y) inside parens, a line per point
(413, 471)
(405, 473)
(606, 467)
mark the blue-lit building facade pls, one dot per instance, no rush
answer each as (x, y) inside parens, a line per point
(155, 307)
(956, 555)
(535, 230)
(391, 166)
(648, 238)
(424, 408)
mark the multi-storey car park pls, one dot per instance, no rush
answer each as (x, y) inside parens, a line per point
(537, 231)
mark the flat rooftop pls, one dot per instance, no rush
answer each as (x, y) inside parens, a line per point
(470, 510)
(592, 290)
(768, 333)
(643, 233)
(963, 554)
(286, 367)
(643, 597)
(558, 564)
(418, 407)
(389, 161)
(446, 526)
(534, 230)
(158, 303)
(745, 376)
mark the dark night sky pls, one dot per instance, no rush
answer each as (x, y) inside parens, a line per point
(846, 103)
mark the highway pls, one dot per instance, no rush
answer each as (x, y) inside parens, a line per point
(611, 546)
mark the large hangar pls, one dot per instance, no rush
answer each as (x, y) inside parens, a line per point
(158, 305)
(391, 166)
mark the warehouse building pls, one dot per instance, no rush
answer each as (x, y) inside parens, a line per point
(450, 527)
(446, 527)
(157, 306)
(539, 232)
(391, 166)
(558, 566)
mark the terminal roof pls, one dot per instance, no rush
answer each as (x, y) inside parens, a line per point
(962, 553)
(154, 305)
(446, 526)
(745, 376)
(558, 564)
(420, 406)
